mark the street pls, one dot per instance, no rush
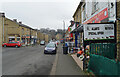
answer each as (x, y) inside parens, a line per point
(26, 61)
(32, 61)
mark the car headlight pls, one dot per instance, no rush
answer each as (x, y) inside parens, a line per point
(45, 48)
(53, 48)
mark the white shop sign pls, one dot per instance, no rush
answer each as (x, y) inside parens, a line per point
(98, 31)
(73, 27)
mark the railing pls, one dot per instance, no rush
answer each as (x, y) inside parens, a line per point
(103, 49)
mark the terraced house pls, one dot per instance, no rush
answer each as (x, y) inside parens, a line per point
(16, 31)
(10, 30)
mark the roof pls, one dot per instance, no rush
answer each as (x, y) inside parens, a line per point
(24, 25)
(78, 7)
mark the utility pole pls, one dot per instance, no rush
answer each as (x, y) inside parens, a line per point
(64, 32)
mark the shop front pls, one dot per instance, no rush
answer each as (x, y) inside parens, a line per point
(33, 40)
(11, 38)
(99, 44)
(27, 42)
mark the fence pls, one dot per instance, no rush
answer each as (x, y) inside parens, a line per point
(102, 60)
(103, 49)
(100, 65)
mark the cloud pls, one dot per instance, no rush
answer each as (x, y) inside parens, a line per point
(41, 14)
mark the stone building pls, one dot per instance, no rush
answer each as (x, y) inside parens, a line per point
(59, 36)
(118, 29)
(1, 27)
(12, 30)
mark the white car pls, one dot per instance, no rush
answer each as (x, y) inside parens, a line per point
(42, 43)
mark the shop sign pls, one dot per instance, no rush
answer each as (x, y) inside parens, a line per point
(98, 31)
(73, 27)
(69, 29)
(98, 17)
(27, 36)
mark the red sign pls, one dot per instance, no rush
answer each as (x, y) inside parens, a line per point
(69, 29)
(27, 36)
(98, 17)
(71, 35)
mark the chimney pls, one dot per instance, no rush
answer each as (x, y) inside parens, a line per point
(15, 20)
(2, 14)
(20, 22)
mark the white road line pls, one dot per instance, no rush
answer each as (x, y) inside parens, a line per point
(53, 70)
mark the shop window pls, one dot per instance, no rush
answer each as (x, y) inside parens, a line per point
(11, 39)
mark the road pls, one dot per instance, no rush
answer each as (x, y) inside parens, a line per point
(26, 61)
(32, 61)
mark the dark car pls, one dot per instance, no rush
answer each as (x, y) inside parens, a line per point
(50, 48)
(12, 44)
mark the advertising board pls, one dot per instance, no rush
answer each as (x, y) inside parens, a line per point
(98, 31)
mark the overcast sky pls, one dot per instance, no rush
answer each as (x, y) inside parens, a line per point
(42, 13)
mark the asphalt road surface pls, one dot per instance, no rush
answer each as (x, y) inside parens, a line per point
(26, 61)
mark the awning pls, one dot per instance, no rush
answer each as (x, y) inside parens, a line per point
(78, 29)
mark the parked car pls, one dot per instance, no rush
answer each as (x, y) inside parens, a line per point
(50, 48)
(42, 43)
(12, 44)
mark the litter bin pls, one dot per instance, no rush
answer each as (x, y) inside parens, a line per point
(65, 50)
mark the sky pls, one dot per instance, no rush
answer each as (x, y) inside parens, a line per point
(40, 13)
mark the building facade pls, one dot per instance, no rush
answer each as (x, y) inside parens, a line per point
(93, 11)
(11, 30)
(59, 36)
(33, 36)
(1, 27)
(96, 11)
(118, 29)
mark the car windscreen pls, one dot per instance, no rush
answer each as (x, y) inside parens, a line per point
(50, 45)
(42, 41)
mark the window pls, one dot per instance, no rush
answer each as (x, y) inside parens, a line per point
(22, 31)
(95, 7)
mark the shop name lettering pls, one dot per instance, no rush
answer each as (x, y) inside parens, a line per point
(99, 32)
(96, 33)
(97, 28)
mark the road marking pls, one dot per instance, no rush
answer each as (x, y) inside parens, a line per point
(53, 70)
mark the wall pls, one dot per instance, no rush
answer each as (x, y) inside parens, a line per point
(1, 30)
(118, 30)
(58, 36)
(101, 6)
(10, 29)
(46, 38)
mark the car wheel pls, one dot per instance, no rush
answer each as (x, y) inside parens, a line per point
(16, 46)
(4, 45)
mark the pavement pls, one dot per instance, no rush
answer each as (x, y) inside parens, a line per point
(65, 65)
